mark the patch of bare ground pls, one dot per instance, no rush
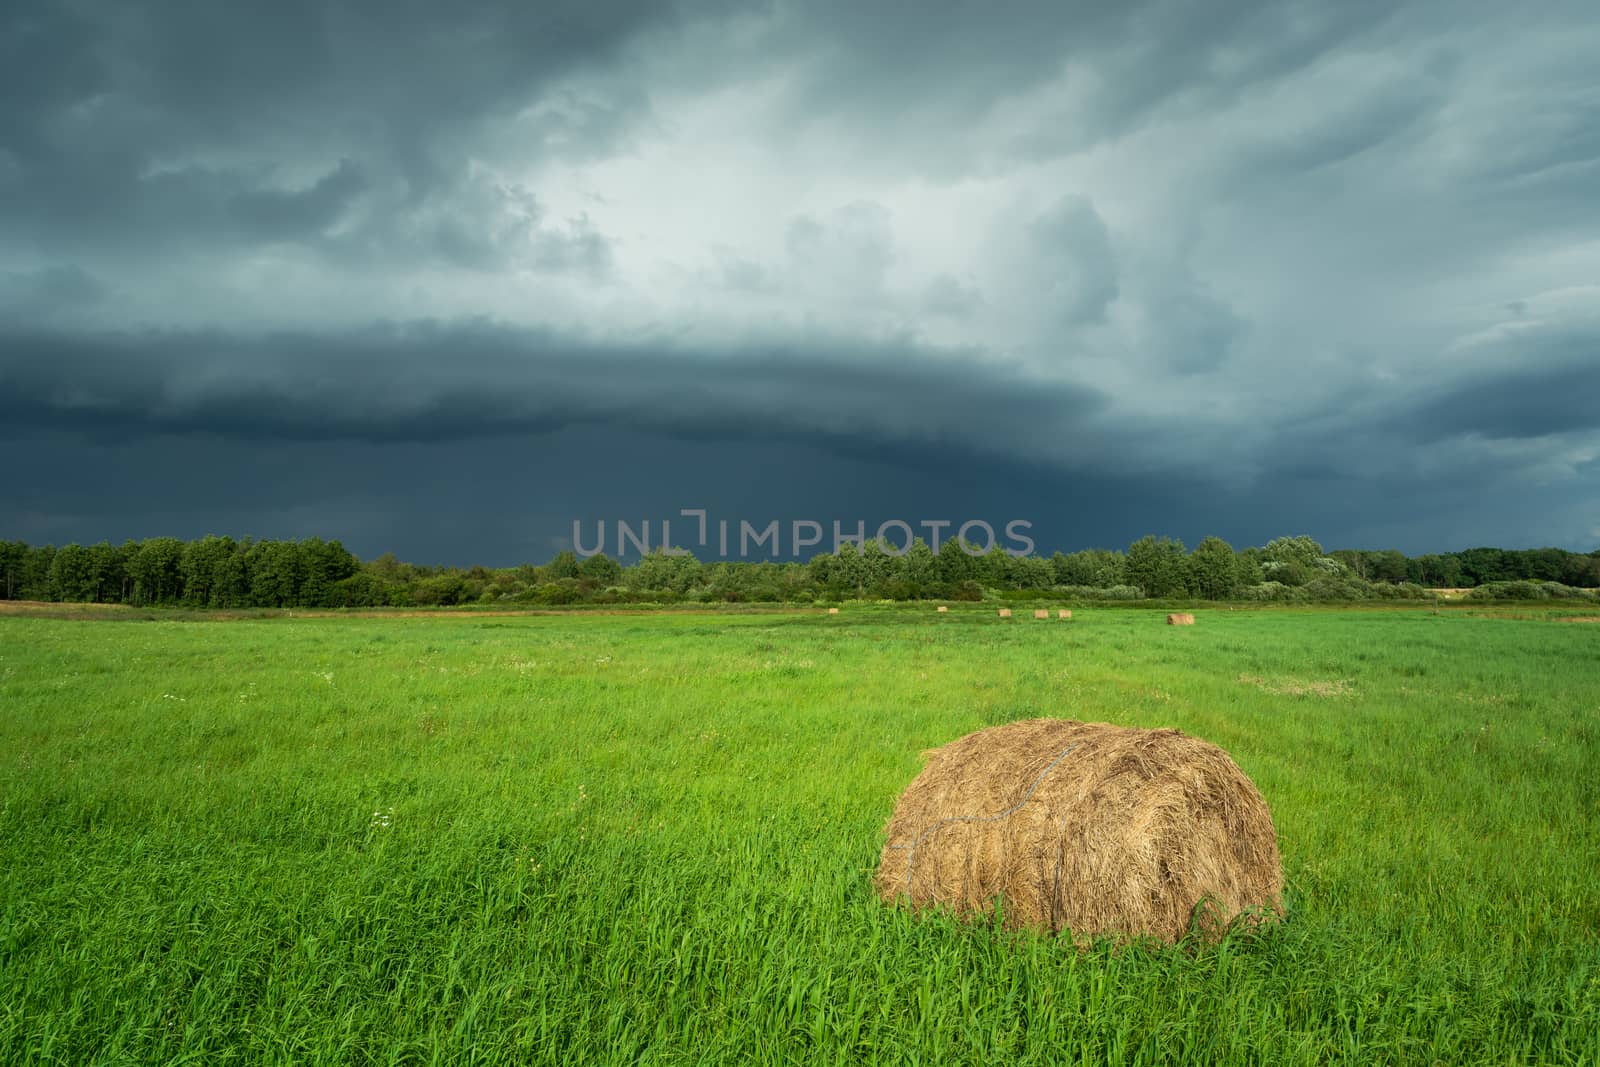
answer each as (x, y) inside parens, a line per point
(69, 610)
(47, 607)
(476, 613)
(1299, 687)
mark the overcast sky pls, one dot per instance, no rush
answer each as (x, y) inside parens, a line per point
(442, 278)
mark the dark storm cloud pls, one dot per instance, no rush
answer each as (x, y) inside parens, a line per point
(507, 499)
(1347, 128)
(437, 382)
(274, 212)
(1517, 402)
(151, 123)
(1184, 267)
(524, 492)
(904, 70)
(283, 70)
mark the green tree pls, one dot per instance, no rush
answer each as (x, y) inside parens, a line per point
(36, 573)
(13, 564)
(154, 568)
(826, 574)
(956, 565)
(563, 564)
(1388, 565)
(1582, 572)
(1482, 565)
(993, 568)
(795, 584)
(1095, 567)
(920, 567)
(667, 572)
(440, 590)
(230, 577)
(201, 565)
(850, 573)
(1159, 566)
(363, 589)
(274, 569)
(1440, 571)
(1354, 560)
(1030, 572)
(1543, 564)
(323, 564)
(1249, 565)
(876, 566)
(1302, 549)
(71, 577)
(600, 569)
(1214, 569)
(106, 568)
(1291, 561)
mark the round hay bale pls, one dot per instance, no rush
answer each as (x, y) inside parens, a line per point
(833, 611)
(1041, 613)
(941, 609)
(1063, 614)
(1005, 613)
(1090, 828)
(1180, 618)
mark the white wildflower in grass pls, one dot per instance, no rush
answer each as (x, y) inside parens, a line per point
(383, 818)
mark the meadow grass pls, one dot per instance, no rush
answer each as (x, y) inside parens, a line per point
(609, 839)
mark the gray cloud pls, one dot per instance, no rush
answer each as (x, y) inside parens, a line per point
(426, 381)
(313, 208)
(946, 295)
(850, 252)
(1293, 259)
(1076, 271)
(1518, 402)
(1195, 331)
(47, 292)
(157, 124)
(908, 76)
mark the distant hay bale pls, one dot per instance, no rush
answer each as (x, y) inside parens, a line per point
(1063, 614)
(1090, 828)
(1005, 613)
(941, 609)
(1040, 613)
(1180, 618)
(833, 611)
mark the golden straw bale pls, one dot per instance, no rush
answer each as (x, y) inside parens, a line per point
(1090, 828)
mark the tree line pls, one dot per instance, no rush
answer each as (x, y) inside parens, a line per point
(224, 572)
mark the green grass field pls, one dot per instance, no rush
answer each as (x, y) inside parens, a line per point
(586, 839)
